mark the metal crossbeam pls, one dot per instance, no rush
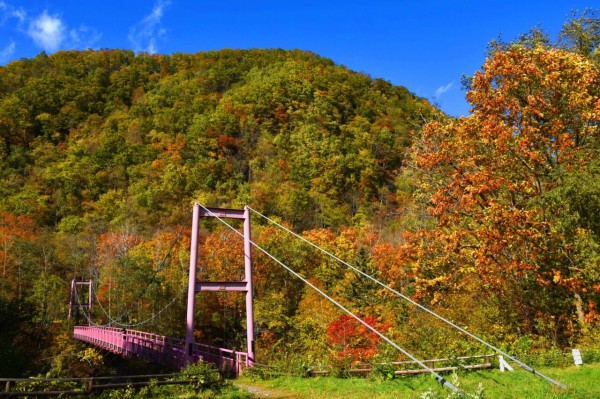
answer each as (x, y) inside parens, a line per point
(222, 213)
(240, 286)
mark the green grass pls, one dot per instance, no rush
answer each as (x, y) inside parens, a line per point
(226, 391)
(583, 382)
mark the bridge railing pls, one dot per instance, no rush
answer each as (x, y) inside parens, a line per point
(160, 348)
(157, 348)
(229, 361)
(109, 338)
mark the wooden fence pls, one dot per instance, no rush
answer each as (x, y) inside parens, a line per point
(20, 387)
(407, 367)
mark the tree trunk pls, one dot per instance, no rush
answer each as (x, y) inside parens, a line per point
(579, 307)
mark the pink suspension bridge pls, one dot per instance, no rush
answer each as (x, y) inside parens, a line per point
(173, 351)
(179, 352)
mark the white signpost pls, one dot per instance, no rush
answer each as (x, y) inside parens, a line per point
(577, 357)
(504, 365)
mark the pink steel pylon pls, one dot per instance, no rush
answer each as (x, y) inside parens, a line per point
(240, 286)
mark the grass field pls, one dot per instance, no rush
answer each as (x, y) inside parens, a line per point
(583, 383)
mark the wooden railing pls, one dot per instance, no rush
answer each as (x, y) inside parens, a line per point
(20, 387)
(407, 367)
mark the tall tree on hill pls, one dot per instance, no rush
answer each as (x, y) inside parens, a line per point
(494, 181)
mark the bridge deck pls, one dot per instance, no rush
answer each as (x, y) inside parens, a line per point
(159, 348)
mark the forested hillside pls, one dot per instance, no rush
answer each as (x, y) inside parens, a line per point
(104, 152)
(492, 220)
(111, 136)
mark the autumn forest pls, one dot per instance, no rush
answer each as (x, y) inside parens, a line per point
(491, 220)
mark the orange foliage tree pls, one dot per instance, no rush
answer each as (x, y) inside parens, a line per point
(352, 340)
(487, 178)
(14, 230)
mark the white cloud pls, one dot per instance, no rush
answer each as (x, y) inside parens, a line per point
(7, 11)
(443, 89)
(7, 51)
(84, 37)
(20, 14)
(47, 31)
(144, 35)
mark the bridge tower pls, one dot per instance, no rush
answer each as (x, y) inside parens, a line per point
(196, 286)
(75, 304)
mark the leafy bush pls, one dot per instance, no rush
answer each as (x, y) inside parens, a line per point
(205, 375)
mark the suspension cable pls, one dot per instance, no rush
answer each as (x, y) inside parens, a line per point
(114, 322)
(438, 377)
(160, 267)
(87, 316)
(523, 365)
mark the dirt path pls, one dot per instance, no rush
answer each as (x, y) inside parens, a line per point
(261, 392)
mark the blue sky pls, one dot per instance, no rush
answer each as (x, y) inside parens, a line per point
(424, 45)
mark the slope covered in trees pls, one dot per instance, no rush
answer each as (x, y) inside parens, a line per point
(110, 135)
(491, 219)
(102, 154)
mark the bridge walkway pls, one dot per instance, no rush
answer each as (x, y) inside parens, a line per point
(160, 349)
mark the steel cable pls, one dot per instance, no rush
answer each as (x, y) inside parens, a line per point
(523, 365)
(438, 377)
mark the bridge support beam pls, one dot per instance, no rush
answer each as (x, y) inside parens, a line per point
(191, 305)
(196, 286)
(249, 291)
(74, 303)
